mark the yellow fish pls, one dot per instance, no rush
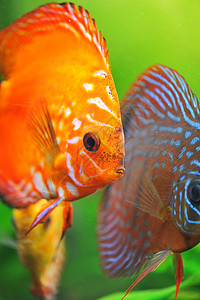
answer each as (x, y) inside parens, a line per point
(41, 251)
(60, 123)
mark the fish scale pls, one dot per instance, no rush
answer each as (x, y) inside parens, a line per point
(152, 202)
(58, 109)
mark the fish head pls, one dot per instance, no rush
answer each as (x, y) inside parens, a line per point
(95, 138)
(102, 146)
(101, 156)
(93, 150)
(186, 203)
(96, 157)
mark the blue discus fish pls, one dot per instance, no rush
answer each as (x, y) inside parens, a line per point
(154, 210)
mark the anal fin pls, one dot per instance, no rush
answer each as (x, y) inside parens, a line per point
(151, 265)
(178, 265)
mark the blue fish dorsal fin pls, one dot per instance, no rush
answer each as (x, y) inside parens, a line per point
(160, 95)
(43, 20)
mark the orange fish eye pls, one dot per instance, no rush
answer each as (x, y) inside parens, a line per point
(91, 142)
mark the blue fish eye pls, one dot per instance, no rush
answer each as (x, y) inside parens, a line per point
(194, 192)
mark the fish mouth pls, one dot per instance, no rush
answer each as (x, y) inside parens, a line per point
(105, 176)
(120, 170)
(113, 175)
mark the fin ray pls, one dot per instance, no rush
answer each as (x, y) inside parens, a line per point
(145, 196)
(44, 213)
(124, 244)
(46, 18)
(178, 265)
(160, 95)
(150, 266)
(41, 126)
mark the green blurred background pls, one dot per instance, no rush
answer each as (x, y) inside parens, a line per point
(139, 33)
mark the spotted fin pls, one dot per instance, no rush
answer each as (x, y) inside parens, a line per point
(41, 127)
(178, 265)
(43, 20)
(151, 265)
(159, 95)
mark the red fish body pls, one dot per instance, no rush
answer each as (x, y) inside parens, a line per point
(41, 251)
(59, 112)
(154, 210)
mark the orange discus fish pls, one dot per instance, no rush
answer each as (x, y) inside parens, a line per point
(41, 251)
(154, 210)
(60, 124)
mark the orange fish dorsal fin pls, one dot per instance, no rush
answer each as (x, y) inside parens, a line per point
(47, 18)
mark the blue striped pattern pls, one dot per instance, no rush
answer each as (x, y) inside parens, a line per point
(162, 130)
(186, 214)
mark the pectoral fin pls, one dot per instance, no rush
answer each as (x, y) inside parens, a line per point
(41, 127)
(146, 197)
(45, 213)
